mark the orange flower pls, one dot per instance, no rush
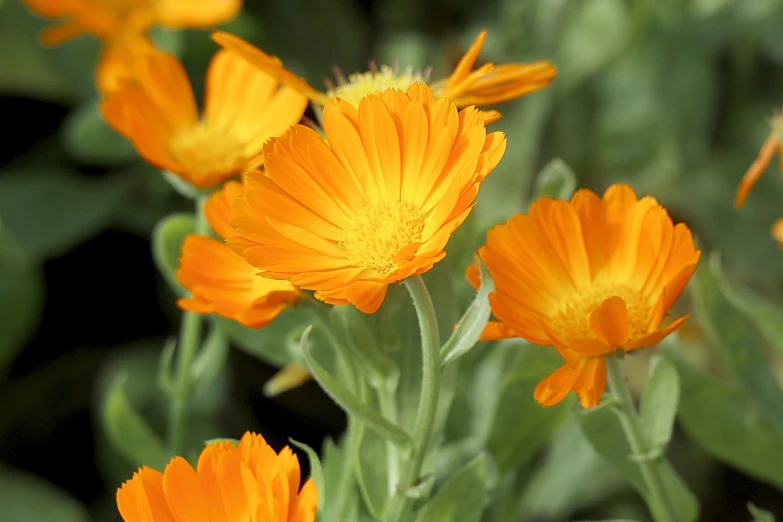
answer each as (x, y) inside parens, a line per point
(122, 25)
(230, 484)
(373, 203)
(487, 85)
(222, 282)
(773, 144)
(244, 108)
(589, 277)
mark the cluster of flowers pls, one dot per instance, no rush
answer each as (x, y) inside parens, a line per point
(368, 197)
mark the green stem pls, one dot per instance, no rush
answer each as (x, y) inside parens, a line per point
(428, 399)
(658, 501)
(189, 342)
(388, 404)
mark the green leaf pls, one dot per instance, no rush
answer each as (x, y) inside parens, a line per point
(658, 407)
(520, 425)
(729, 334)
(267, 343)
(337, 462)
(727, 423)
(473, 321)
(21, 297)
(765, 314)
(350, 402)
(602, 428)
(462, 497)
(25, 497)
(571, 477)
(316, 472)
(167, 238)
(50, 212)
(211, 358)
(556, 180)
(32, 74)
(87, 138)
(370, 459)
(596, 32)
(128, 432)
(760, 515)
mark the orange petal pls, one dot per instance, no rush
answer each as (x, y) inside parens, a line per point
(181, 14)
(184, 493)
(654, 337)
(594, 383)
(219, 208)
(554, 388)
(756, 169)
(610, 322)
(269, 64)
(495, 330)
(777, 231)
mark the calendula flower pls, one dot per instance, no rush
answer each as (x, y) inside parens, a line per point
(244, 107)
(230, 484)
(222, 282)
(122, 25)
(590, 277)
(772, 145)
(373, 203)
(488, 85)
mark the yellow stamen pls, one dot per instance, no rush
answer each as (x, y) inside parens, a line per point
(381, 231)
(572, 319)
(360, 85)
(206, 150)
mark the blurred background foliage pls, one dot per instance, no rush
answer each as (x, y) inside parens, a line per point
(671, 96)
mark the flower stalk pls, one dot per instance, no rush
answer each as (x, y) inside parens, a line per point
(658, 501)
(189, 341)
(428, 399)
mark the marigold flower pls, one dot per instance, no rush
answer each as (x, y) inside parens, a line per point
(222, 282)
(244, 107)
(230, 484)
(122, 24)
(589, 277)
(773, 144)
(373, 203)
(488, 85)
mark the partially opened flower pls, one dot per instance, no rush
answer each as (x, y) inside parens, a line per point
(772, 145)
(222, 282)
(244, 107)
(488, 85)
(122, 25)
(590, 277)
(373, 203)
(230, 484)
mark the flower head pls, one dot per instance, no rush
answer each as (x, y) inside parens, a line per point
(122, 26)
(248, 483)
(589, 277)
(772, 145)
(222, 282)
(373, 203)
(244, 107)
(487, 85)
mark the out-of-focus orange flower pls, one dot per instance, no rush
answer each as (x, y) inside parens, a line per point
(222, 282)
(372, 203)
(589, 277)
(122, 26)
(230, 484)
(488, 85)
(244, 107)
(772, 145)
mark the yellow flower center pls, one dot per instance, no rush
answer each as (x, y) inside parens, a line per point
(381, 231)
(360, 85)
(203, 150)
(571, 319)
